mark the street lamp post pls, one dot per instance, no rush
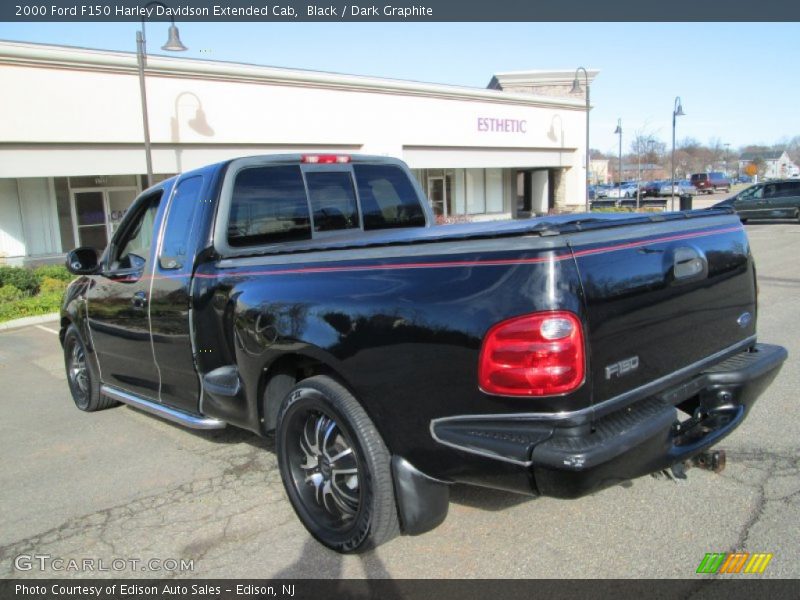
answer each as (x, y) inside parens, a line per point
(677, 111)
(173, 45)
(618, 131)
(576, 89)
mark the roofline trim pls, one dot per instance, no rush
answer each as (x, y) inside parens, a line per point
(50, 56)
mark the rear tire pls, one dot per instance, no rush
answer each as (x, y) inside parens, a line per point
(83, 380)
(335, 467)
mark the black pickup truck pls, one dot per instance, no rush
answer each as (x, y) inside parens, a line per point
(312, 296)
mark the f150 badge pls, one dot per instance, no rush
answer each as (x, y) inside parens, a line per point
(622, 367)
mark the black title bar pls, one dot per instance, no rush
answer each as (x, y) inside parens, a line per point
(294, 11)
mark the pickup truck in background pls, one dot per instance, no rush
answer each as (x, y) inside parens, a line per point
(312, 296)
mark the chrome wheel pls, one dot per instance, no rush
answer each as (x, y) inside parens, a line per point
(329, 467)
(78, 374)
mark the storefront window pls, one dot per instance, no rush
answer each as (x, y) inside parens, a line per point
(476, 195)
(494, 190)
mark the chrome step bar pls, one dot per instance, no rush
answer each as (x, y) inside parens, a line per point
(166, 412)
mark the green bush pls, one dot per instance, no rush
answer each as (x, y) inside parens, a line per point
(29, 306)
(9, 293)
(53, 272)
(51, 285)
(29, 292)
(22, 279)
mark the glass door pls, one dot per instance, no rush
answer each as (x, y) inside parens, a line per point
(439, 194)
(89, 216)
(98, 212)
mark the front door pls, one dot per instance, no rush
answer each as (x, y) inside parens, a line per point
(750, 203)
(118, 304)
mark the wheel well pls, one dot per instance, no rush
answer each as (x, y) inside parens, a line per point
(281, 376)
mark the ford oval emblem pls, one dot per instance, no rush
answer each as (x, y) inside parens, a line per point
(744, 319)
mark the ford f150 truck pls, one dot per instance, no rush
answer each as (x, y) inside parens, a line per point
(312, 296)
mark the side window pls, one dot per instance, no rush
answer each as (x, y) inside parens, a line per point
(770, 191)
(388, 198)
(132, 248)
(180, 222)
(333, 200)
(752, 193)
(268, 206)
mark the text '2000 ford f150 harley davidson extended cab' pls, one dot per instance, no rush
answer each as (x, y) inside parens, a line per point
(312, 296)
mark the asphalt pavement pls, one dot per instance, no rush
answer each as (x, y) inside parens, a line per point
(122, 485)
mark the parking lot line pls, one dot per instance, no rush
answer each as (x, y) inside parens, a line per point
(43, 328)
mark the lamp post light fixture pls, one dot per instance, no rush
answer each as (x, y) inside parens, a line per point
(576, 89)
(677, 111)
(173, 45)
(618, 131)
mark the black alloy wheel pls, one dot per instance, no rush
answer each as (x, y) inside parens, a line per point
(84, 383)
(335, 467)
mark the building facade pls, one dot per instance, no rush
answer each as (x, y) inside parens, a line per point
(774, 164)
(71, 140)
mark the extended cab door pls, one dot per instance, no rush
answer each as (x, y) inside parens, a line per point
(118, 303)
(170, 310)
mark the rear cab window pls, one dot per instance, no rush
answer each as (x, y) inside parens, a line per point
(278, 203)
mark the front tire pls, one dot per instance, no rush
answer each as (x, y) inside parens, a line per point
(84, 384)
(335, 467)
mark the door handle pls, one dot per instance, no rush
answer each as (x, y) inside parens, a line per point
(139, 300)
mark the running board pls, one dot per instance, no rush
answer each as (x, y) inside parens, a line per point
(166, 412)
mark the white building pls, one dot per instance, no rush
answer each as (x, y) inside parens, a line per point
(776, 163)
(71, 140)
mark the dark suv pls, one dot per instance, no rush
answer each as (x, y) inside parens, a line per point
(709, 183)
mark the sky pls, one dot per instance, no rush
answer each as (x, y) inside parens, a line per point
(738, 82)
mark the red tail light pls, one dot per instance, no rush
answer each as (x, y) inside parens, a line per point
(540, 354)
(325, 159)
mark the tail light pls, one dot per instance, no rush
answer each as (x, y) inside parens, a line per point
(540, 354)
(325, 159)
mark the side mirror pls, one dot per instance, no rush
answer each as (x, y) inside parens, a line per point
(83, 261)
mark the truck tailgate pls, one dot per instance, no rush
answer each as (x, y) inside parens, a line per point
(662, 297)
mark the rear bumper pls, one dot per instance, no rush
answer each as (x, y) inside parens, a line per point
(564, 460)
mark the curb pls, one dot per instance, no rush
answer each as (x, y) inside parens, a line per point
(28, 321)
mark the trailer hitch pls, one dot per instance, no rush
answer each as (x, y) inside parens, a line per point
(713, 460)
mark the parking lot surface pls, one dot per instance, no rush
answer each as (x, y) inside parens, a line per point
(120, 484)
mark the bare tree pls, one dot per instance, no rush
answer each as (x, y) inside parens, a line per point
(648, 147)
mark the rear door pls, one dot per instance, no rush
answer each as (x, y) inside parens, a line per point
(661, 298)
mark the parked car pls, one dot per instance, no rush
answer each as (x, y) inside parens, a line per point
(650, 189)
(627, 190)
(601, 190)
(778, 199)
(314, 297)
(711, 182)
(678, 188)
